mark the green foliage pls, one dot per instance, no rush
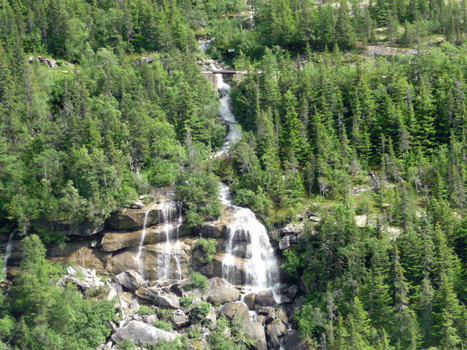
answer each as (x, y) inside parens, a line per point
(52, 316)
(178, 344)
(200, 311)
(197, 281)
(195, 333)
(91, 142)
(164, 325)
(78, 142)
(197, 186)
(186, 301)
(95, 292)
(145, 310)
(164, 314)
(127, 344)
(294, 264)
(209, 249)
(237, 339)
(50, 237)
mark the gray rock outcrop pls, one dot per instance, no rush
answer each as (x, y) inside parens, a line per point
(274, 331)
(69, 227)
(180, 319)
(169, 300)
(250, 300)
(151, 262)
(265, 298)
(131, 219)
(224, 295)
(142, 334)
(256, 332)
(83, 278)
(147, 293)
(236, 311)
(130, 279)
(113, 241)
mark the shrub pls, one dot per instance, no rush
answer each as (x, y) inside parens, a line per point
(164, 314)
(209, 248)
(94, 292)
(186, 301)
(197, 281)
(127, 344)
(164, 325)
(195, 333)
(178, 344)
(145, 310)
(200, 311)
(193, 219)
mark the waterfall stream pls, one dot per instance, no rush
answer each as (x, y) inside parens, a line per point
(177, 244)
(169, 210)
(249, 257)
(141, 244)
(248, 241)
(226, 114)
(8, 250)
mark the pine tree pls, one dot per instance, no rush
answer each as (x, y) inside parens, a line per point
(358, 327)
(405, 329)
(425, 133)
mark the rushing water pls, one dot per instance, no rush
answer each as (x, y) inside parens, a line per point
(8, 250)
(177, 245)
(248, 241)
(167, 209)
(233, 132)
(141, 244)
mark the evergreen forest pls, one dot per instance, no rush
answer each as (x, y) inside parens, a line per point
(375, 145)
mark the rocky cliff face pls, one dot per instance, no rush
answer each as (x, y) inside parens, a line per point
(114, 249)
(135, 239)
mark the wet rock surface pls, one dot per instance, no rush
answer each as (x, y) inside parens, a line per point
(115, 252)
(113, 241)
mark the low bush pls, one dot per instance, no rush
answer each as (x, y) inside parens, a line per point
(209, 248)
(197, 281)
(164, 325)
(145, 310)
(186, 301)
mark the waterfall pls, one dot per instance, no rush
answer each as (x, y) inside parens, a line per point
(141, 243)
(163, 271)
(233, 133)
(177, 244)
(248, 240)
(8, 250)
(168, 211)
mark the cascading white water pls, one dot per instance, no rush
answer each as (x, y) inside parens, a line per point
(233, 133)
(204, 46)
(177, 244)
(261, 267)
(260, 264)
(139, 263)
(168, 211)
(163, 271)
(8, 251)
